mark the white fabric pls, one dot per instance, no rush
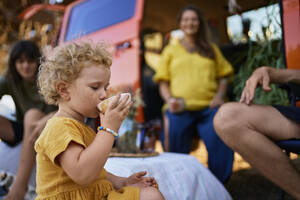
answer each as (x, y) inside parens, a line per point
(9, 159)
(7, 108)
(180, 176)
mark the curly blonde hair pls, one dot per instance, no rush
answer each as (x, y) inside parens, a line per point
(64, 63)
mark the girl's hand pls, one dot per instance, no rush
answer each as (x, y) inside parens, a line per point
(116, 112)
(138, 179)
(216, 101)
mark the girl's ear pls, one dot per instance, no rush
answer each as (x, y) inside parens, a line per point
(62, 90)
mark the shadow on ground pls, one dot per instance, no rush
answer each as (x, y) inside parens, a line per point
(248, 184)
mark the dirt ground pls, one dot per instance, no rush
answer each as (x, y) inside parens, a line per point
(246, 183)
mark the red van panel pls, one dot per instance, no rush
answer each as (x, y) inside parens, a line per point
(291, 28)
(123, 36)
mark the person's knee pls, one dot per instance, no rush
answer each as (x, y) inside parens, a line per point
(150, 193)
(31, 118)
(226, 116)
(231, 122)
(229, 118)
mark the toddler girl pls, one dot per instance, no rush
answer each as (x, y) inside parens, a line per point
(70, 155)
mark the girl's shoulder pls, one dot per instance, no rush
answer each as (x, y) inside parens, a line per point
(62, 123)
(59, 129)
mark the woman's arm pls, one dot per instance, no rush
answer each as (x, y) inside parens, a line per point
(164, 89)
(174, 104)
(219, 97)
(222, 88)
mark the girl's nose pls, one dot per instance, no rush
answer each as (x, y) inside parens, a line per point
(102, 95)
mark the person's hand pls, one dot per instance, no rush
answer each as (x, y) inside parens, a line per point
(116, 112)
(176, 105)
(259, 77)
(138, 179)
(216, 101)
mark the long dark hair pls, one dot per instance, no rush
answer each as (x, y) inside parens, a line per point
(23, 47)
(202, 39)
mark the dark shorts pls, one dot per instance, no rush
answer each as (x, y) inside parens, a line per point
(18, 132)
(292, 113)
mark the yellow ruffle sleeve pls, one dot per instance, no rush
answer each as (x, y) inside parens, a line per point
(224, 68)
(163, 69)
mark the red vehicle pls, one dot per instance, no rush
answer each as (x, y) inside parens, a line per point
(291, 33)
(291, 30)
(122, 24)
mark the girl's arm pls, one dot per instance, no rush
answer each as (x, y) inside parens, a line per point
(117, 181)
(83, 165)
(137, 179)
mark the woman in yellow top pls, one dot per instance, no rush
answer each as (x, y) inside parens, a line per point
(192, 78)
(70, 155)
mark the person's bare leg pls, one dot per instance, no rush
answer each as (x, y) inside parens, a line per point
(249, 130)
(166, 132)
(150, 193)
(27, 157)
(6, 131)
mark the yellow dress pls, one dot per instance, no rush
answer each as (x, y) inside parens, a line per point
(52, 183)
(192, 76)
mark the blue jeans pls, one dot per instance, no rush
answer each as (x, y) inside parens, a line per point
(183, 125)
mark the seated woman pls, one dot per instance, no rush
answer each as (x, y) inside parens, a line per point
(192, 78)
(31, 111)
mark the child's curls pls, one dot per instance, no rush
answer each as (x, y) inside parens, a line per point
(64, 63)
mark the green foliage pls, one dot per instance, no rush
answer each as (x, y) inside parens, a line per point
(264, 53)
(126, 143)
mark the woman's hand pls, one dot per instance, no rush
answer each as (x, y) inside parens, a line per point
(138, 179)
(216, 101)
(259, 77)
(116, 112)
(176, 105)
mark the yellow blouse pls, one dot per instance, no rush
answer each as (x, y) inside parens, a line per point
(191, 76)
(52, 183)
